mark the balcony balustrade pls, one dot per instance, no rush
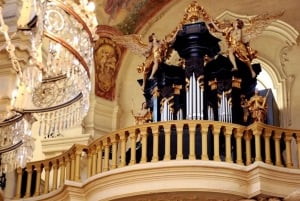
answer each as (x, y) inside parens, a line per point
(163, 141)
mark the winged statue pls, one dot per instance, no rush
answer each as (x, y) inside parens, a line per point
(155, 51)
(258, 24)
(133, 42)
(238, 35)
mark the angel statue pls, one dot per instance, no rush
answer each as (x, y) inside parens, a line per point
(155, 51)
(238, 37)
(143, 116)
(258, 107)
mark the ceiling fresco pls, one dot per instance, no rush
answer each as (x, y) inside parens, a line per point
(128, 16)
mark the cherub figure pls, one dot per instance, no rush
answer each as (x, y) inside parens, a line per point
(238, 37)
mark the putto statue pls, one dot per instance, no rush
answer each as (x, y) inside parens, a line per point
(209, 83)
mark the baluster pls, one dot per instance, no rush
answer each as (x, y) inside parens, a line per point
(72, 168)
(55, 173)
(29, 180)
(267, 135)
(46, 118)
(257, 133)
(132, 148)
(228, 133)
(66, 118)
(106, 154)
(123, 139)
(58, 119)
(94, 161)
(99, 158)
(179, 130)
(62, 172)
(167, 155)
(68, 109)
(192, 133)
(89, 164)
(288, 150)
(19, 182)
(277, 137)
(68, 167)
(238, 136)
(248, 137)
(77, 164)
(54, 121)
(47, 175)
(41, 119)
(204, 132)
(38, 180)
(144, 134)
(216, 133)
(155, 133)
(298, 148)
(78, 114)
(114, 141)
(63, 117)
(49, 134)
(73, 114)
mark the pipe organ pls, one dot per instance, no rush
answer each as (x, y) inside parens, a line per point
(205, 87)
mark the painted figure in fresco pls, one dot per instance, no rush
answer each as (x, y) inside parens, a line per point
(106, 58)
(114, 7)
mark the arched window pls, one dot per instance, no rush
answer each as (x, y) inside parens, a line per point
(265, 81)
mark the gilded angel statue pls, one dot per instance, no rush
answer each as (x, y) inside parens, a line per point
(238, 36)
(154, 52)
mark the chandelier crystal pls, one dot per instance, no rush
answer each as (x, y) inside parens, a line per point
(55, 77)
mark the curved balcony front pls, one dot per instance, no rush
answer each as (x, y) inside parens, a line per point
(175, 160)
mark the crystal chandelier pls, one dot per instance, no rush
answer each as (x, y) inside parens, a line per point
(53, 84)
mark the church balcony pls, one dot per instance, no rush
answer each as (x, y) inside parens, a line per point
(199, 160)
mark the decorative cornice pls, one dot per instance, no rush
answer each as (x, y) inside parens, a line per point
(294, 196)
(60, 144)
